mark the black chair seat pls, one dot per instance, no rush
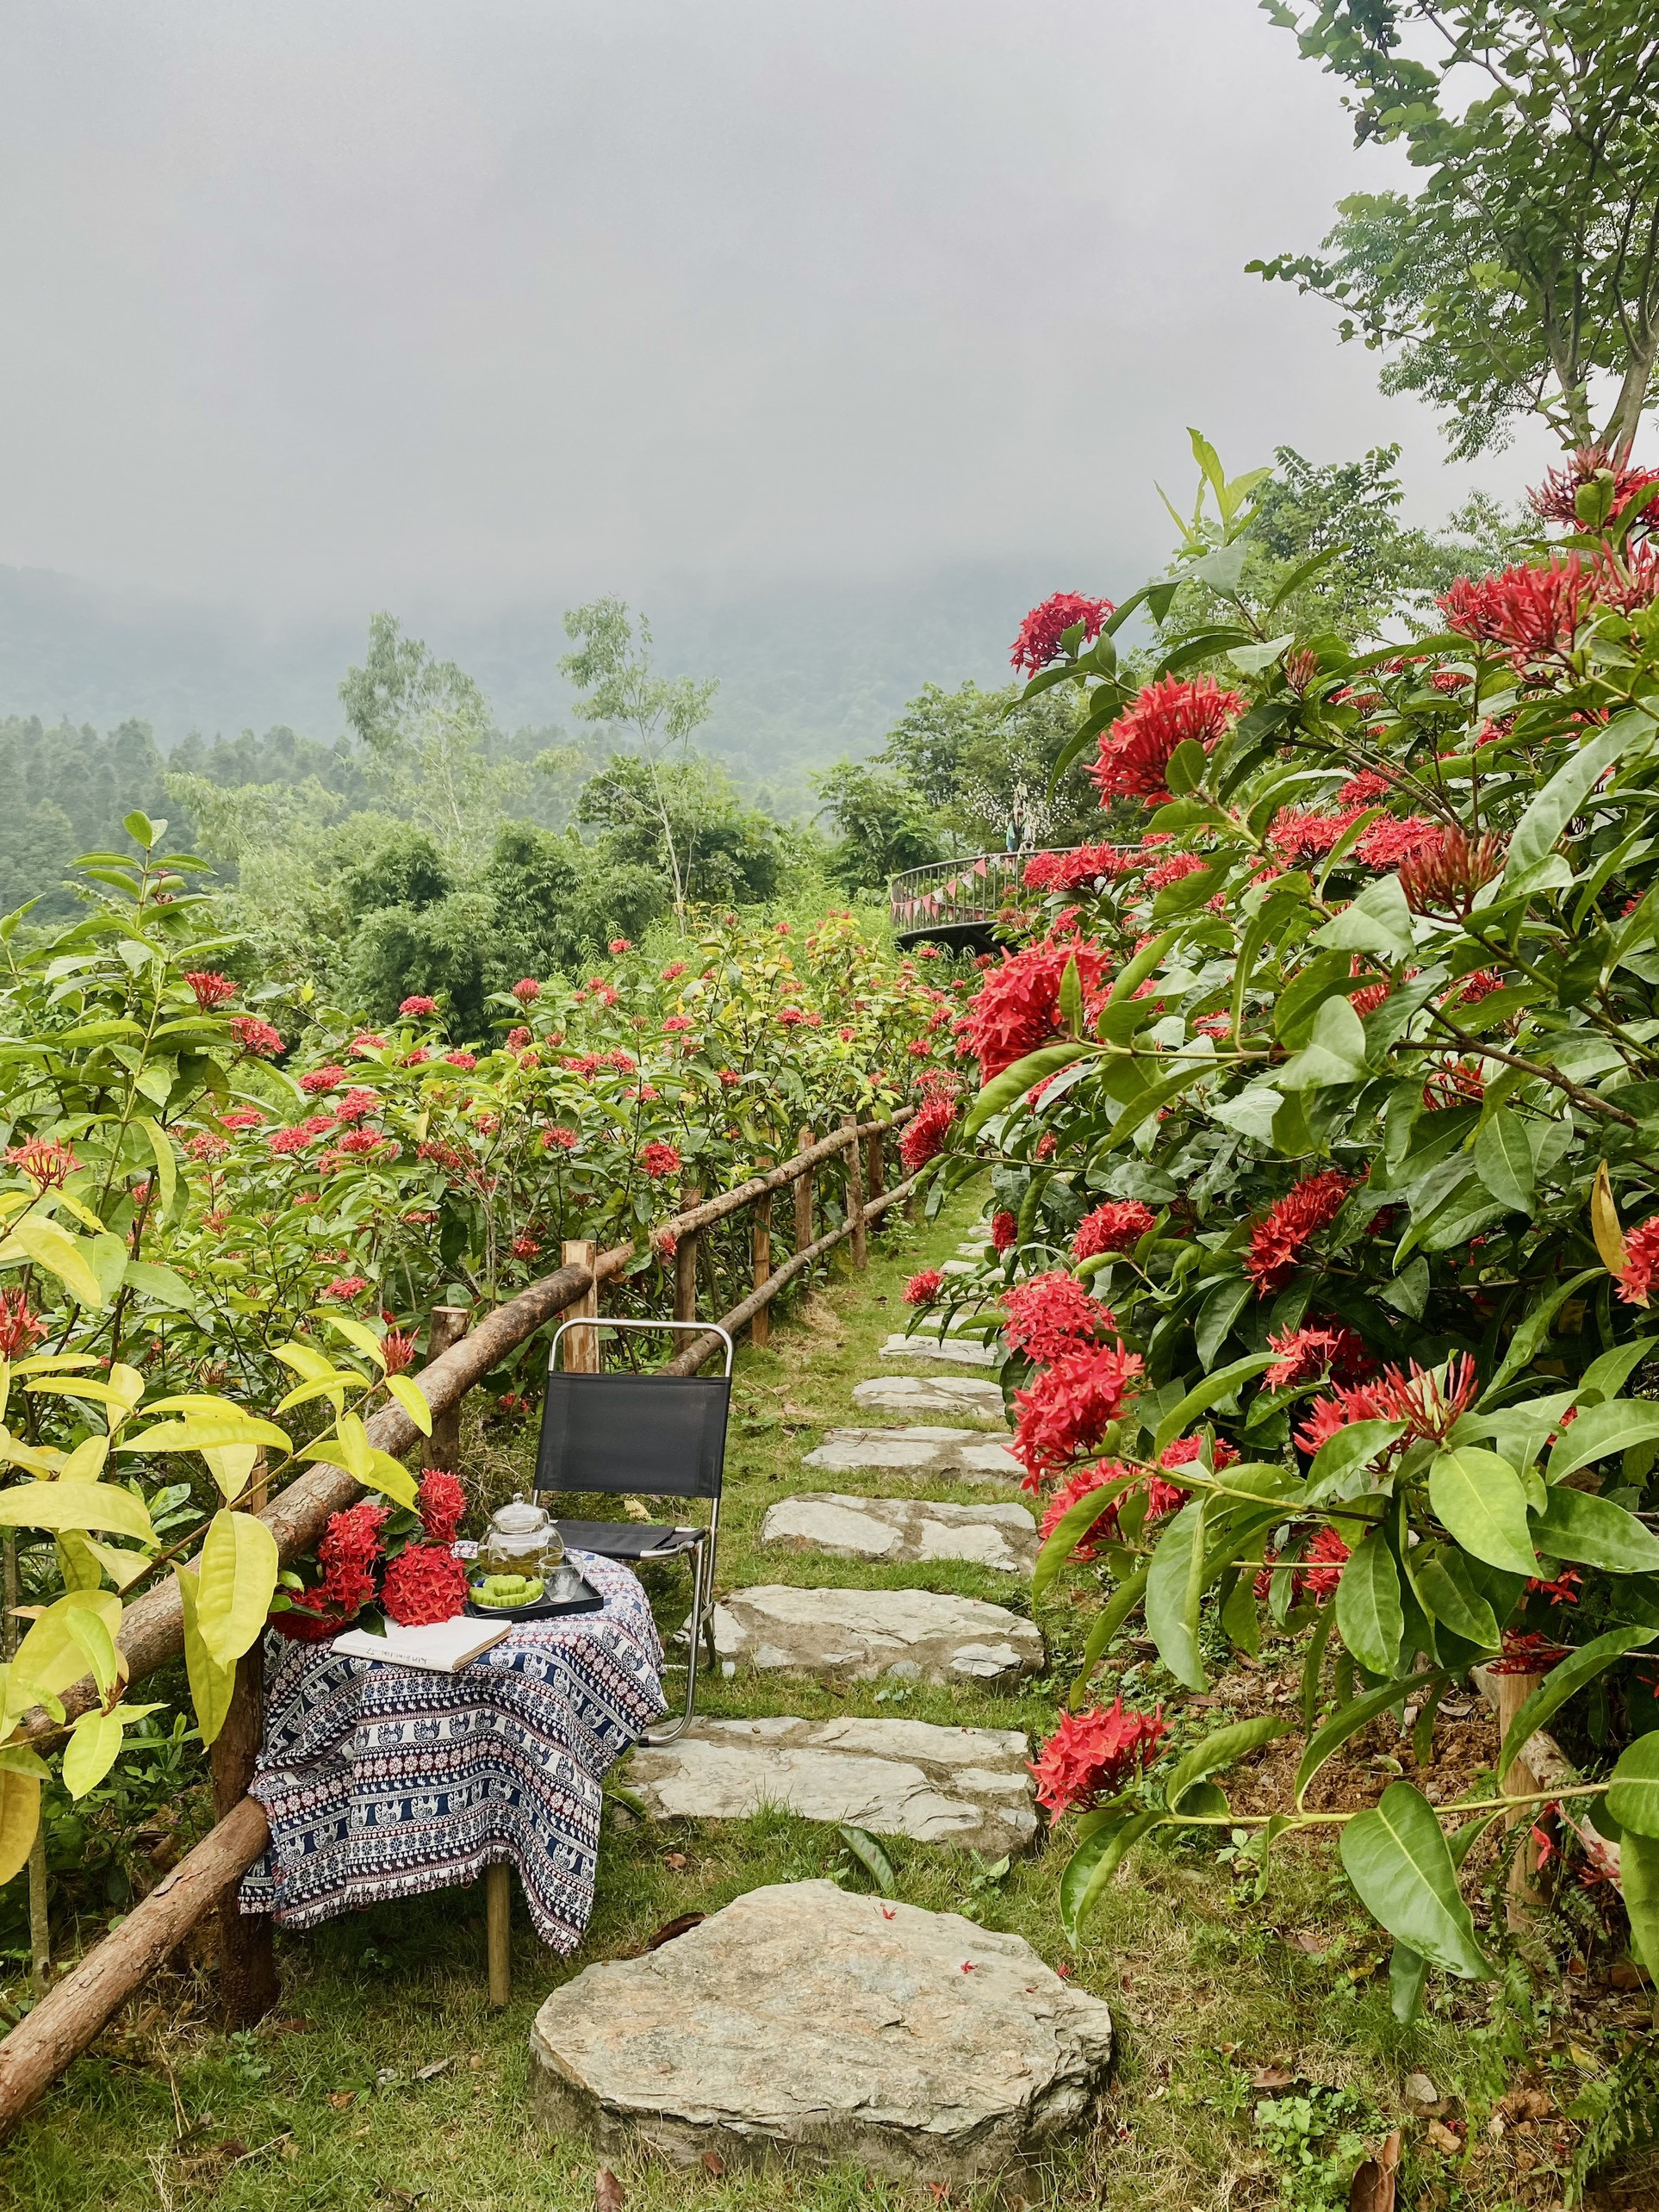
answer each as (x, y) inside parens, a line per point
(629, 1539)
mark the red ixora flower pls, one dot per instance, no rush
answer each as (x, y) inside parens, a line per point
(1533, 613)
(1092, 1755)
(559, 1139)
(1276, 1243)
(211, 988)
(1430, 1403)
(1094, 1477)
(1039, 641)
(19, 1329)
(257, 1038)
(659, 1160)
(322, 1079)
(398, 1349)
(527, 990)
(1118, 1225)
(1391, 841)
(1050, 1315)
(417, 1005)
(1004, 1231)
(425, 1582)
(442, 1502)
(922, 1288)
(1635, 1278)
(242, 1117)
(1068, 1407)
(677, 1021)
(465, 1061)
(1306, 1354)
(1017, 1007)
(1553, 500)
(526, 1247)
(346, 1287)
(47, 1162)
(1444, 877)
(365, 1044)
(924, 1136)
(1135, 753)
(674, 971)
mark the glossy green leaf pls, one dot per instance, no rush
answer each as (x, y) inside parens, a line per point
(237, 1579)
(1565, 1681)
(1204, 1394)
(1330, 1739)
(75, 1504)
(1594, 1533)
(1073, 1526)
(413, 1398)
(1601, 1431)
(1397, 1860)
(1378, 921)
(211, 1683)
(1351, 1448)
(1480, 1498)
(1638, 1869)
(1223, 1747)
(1007, 1089)
(1175, 1581)
(1368, 1611)
(1537, 834)
(1633, 1792)
(1107, 1623)
(1440, 1577)
(1098, 1859)
(1503, 1160)
(68, 1258)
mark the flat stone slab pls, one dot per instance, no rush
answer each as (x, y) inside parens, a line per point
(861, 1635)
(807, 2022)
(966, 1788)
(904, 1529)
(950, 1455)
(929, 1347)
(930, 1393)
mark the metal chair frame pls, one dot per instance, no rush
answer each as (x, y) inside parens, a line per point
(702, 1548)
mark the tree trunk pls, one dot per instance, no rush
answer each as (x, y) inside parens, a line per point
(248, 1987)
(447, 1326)
(760, 1249)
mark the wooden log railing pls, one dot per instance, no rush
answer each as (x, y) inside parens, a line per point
(65, 2022)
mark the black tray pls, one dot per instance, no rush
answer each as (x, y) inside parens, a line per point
(541, 1608)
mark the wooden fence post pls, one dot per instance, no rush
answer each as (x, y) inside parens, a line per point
(579, 1352)
(760, 1249)
(855, 1158)
(684, 1261)
(875, 1171)
(447, 1326)
(804, 1195)
(247, 1963)
(1525, 1899)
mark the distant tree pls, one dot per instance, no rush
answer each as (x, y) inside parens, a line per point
(655, 715)
(884, 824)
(1528, 265)
(984, 761)
(687, 817)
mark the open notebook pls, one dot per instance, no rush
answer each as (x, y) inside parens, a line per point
(442, 1647)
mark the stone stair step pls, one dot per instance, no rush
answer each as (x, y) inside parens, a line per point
(902, 1530)
(862, 1635)
(929, 1347)
(929, 1393)
(947, 1455)
(807, 2023)
(965, 1787)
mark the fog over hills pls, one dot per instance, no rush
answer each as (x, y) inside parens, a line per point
(808, 671)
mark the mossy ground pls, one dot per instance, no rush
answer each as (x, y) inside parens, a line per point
(385, 2078)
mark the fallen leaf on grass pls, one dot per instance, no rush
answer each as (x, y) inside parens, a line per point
(430, 2073)
(607, 2191)
(1271, 2078)
(1373, 2186)
(714, 2164)
(1443, 2138)
(1311, 1939)
(340, 2098)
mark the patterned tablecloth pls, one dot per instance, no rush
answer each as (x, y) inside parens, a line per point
(383, 1782)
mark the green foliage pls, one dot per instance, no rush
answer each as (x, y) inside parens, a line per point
(1522, 269)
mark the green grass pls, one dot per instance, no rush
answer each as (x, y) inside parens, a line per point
(324, 2107)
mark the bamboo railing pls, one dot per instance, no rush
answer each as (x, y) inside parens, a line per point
(65, 2022)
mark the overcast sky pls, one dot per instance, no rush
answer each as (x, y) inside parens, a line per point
(321, 302)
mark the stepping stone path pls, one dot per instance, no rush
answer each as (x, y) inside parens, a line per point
(930, 1393)
(861, 1635)
(927, 1347)
(805, 2021)
(964, 1787)
(902, 1529)
(948, 1455)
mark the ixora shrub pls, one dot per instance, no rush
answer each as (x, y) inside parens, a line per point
(1321, 1106)
(209, 1225)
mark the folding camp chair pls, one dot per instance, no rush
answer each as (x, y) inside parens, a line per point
(646, 1436)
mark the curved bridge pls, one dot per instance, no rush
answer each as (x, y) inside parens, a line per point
(958, 904)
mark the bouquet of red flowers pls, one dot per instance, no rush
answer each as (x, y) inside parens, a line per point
(377, 1553)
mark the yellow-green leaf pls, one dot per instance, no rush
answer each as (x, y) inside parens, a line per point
(36, 1238)
(199, 1433)
(50, 1657)
(20, 1816)
(75, 1504)
(230, 1465)
(237, 1569)
(393, 1480)
(90, 1752)
(211, 1684)
(413, 1398)
(86, 1463)
(358, 1333)
(161, 1145)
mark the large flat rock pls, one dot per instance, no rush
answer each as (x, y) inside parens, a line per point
(860, 1635)
(807, 2022)
(948, 1455)
(930, 1393)
(968, 1787)
(904, 1529)
(954, 1350)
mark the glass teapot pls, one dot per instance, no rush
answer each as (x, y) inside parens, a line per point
(522, 1538)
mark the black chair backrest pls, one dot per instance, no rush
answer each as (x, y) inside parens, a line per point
(651, 1436)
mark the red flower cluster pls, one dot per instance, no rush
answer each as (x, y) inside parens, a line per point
(425, 1582)
(922, 1289)
(209, 1147)
(1635, 1278)
(1276, 1243)
(924, 1136)
(1093, 1754)
(47, 1162)
(1004, 1231)
(1101, 1532)
(1300, 835)
(348, 1554)
(1078, 870)
(527, 990)
(398, 1349)
(674, 971)
(211, 988)
(1068, 1407)
(1306, 1354)
(1050, 1315)
(346, 1287)
(678, 1022)
(418, 1005)
(1135, 753)
(659, 1160)
(442, 1502)
(321, 1079)
(1039, 641)
(1368, 788)
(559, 1139)
(1553, 499)
(1430, 1405)
(1534, 614)
(1017, 1007)
(365, 1044)
(1118, 1225)
(1389, 841)
(242, 1117)
(526, 1247)
(621, 945)
(1172, 870)
(465, 1061)
(1444, 877)
(1316, 1574)
(19, 1330)
(257, 1038)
